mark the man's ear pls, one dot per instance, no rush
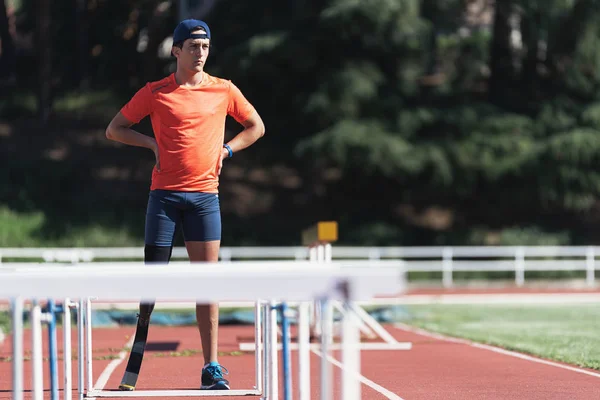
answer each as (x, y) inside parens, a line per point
(175, 51)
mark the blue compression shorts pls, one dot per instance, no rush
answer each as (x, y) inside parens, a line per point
(198, 214)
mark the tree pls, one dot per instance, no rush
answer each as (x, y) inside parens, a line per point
(409, 121)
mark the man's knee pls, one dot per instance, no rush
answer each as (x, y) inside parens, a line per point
(157, 254)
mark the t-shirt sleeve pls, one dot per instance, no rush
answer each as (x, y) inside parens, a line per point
(239, 107)
(139, 106)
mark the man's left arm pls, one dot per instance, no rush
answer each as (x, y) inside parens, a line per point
(254, 129)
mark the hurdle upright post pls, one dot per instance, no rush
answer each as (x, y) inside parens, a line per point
(286, 352)
(266, 350)
(272, 356)
(88, 344)
(52, 348)
(258, 343)
(304, 351)
(351, 387)
(17, 329)
(67, 366)
(36, 352)
(80, 349)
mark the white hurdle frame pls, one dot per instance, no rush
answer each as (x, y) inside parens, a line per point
(17, 350)
(80, 350)
(85, 363)
(318, 239)
(258, 356)
(37, 319)
(304, 351)
(67, 354)
(85, 384)
(273, 354)
(88, 344)
(36, 350)
(323, 281)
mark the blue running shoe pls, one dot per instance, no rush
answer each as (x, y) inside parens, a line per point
(212, 377)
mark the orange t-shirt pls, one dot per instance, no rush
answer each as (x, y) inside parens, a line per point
(189, 127)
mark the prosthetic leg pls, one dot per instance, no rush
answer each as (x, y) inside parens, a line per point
(152, 254)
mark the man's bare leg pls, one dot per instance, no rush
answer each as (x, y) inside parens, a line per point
(207, 315)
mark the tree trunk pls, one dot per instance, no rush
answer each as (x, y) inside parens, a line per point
(501, 68)
(7, 52)
(44, 60)
(531, 25)
(82, 44)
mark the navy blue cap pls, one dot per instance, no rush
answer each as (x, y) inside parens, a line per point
(185, 28)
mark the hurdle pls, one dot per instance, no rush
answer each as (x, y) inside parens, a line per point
(278, 281)
(264, 323)
(319, 238)
(38, 317)
(316, 319)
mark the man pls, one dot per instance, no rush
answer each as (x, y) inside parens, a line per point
(188, 111)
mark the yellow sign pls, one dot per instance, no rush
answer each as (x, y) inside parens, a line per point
(321, 232)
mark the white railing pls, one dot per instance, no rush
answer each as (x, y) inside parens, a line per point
(444, 259)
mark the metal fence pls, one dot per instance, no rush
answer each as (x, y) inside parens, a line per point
(446, 260)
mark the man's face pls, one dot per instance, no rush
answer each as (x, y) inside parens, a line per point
(193, 54)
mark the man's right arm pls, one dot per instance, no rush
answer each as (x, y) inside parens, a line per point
(119, 130)
(133, 112)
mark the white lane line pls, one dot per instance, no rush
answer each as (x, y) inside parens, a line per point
(362, 379)
(499, 350)
(110, 368)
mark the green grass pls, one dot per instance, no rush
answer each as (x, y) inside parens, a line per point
(22, 230)
(4, 322)
(568, 334)
(19, 228)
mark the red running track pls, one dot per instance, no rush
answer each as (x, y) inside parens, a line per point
(433, 369)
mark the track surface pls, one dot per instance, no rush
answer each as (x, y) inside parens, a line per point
(436, 367)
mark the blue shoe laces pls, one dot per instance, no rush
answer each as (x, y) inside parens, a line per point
(216, 371)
